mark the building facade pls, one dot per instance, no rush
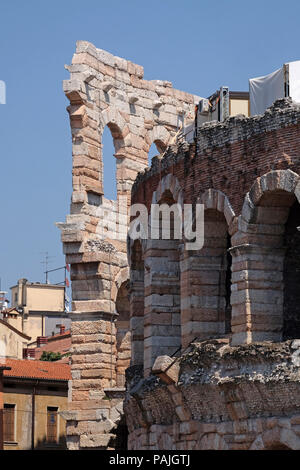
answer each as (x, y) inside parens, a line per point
(12, 341)
(34, 395)
(38, 309)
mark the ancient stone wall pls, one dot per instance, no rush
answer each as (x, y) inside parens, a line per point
(245, 172)
(105, 90)
(226, 398)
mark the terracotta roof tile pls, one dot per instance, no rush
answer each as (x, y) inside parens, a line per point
(36, 369)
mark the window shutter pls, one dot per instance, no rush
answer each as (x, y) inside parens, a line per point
(9, 423)
(51, 424)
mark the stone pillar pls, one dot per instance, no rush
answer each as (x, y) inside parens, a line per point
(203, 283)
(123, 334)
(137, 303)
(257, 293)
(93, 333)
(202, 296)
(162, 331)
(137, 319)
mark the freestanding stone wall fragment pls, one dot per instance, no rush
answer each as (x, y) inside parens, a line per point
(105, 90)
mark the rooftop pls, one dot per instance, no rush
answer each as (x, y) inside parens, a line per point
(36, 369)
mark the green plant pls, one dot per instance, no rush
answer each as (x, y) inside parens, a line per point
(50, 356)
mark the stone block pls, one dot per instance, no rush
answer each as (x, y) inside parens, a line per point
(167, 369)
(97, 440)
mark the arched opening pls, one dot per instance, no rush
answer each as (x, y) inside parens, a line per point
(271, 286)
(157, 147)
(218, 288)
(162, 330)
(227, 268)
(206, 283)
(121, 442)
(137, 304)
(109, 165)
(276, 233)
(111, 143)
(123, 343)
(291, 275)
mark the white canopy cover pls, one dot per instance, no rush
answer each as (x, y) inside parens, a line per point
(265, 90)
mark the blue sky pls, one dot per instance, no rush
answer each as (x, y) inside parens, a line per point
(197, 45)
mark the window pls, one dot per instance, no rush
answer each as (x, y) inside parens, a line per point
(109, 165)
(52, 424)
(9, 422)
(156, 148)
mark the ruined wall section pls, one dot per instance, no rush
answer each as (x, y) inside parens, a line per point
(228, 156)
(226, 398)
(105, 90)
(246, 170)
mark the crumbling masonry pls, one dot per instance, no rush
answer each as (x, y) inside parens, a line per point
(213, 333)
(105, 90)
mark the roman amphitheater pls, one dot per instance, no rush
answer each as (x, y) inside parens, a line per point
(209, 338)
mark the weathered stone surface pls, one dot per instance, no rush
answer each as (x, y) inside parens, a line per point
(226, 397)
(166, 368)
(105, 90)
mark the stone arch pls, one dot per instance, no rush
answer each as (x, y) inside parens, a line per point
(270, 215)
(160, 136)
(277, 438)
(211, 441)
(121, 277)
(130, 241)
(215, 199)
(277, 180)
(111, 118)
(171, 183)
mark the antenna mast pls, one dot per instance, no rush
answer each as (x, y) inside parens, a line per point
(46, 263)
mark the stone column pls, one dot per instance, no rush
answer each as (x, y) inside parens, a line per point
(162, 331)
(137, 318)
(203, 282)
(257, 293)
(202, 295)
(136, 302)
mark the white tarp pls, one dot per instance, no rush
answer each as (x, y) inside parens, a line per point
(265, 90)
(294, 80)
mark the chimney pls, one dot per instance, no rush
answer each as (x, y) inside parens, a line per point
(41, 340)
(62, 329)
(28, 353)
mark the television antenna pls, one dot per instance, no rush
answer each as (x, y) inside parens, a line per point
(46, 262)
